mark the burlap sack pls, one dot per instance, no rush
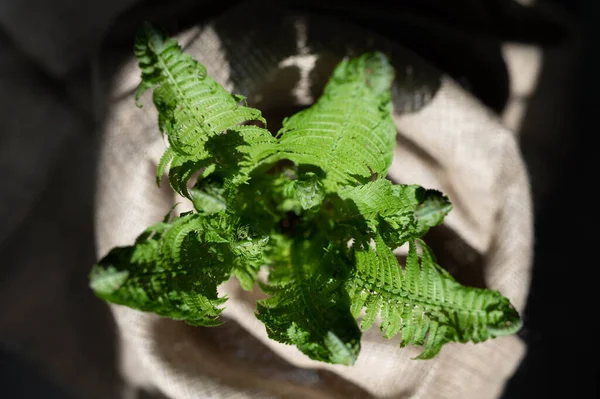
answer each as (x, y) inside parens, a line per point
(446, 140)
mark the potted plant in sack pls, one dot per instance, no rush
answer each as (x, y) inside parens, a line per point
(306, 214)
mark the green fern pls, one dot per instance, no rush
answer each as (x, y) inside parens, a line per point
(308, 306)
(348, 133)
(424, 301)
(194, 110)
(311, 205)
(175, 267)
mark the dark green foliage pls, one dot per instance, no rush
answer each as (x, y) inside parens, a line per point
(311, 205)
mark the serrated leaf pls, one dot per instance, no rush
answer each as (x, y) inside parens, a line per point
(174, 269)
(348, 133)
(423, 300)
(192, 109)
(309, 308)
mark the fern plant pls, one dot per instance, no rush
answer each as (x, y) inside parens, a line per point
(311, 205)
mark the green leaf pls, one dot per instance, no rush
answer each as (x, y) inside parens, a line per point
(399, 212)
(192, 109)
(309, 307)
(174, 268)
(348, 133)
(423, 303)
(432, 209)
(207, 196)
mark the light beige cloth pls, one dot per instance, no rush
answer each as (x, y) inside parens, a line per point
(447, 140)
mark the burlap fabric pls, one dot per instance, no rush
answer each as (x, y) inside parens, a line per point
(446, 140)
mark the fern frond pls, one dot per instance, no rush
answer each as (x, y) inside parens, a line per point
(309, 307)
(193, 109)
(398, 212)
(174, 268)
(423, 302)
(208, 196)
(348, 133)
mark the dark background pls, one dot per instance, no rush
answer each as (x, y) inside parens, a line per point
(47, 332)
